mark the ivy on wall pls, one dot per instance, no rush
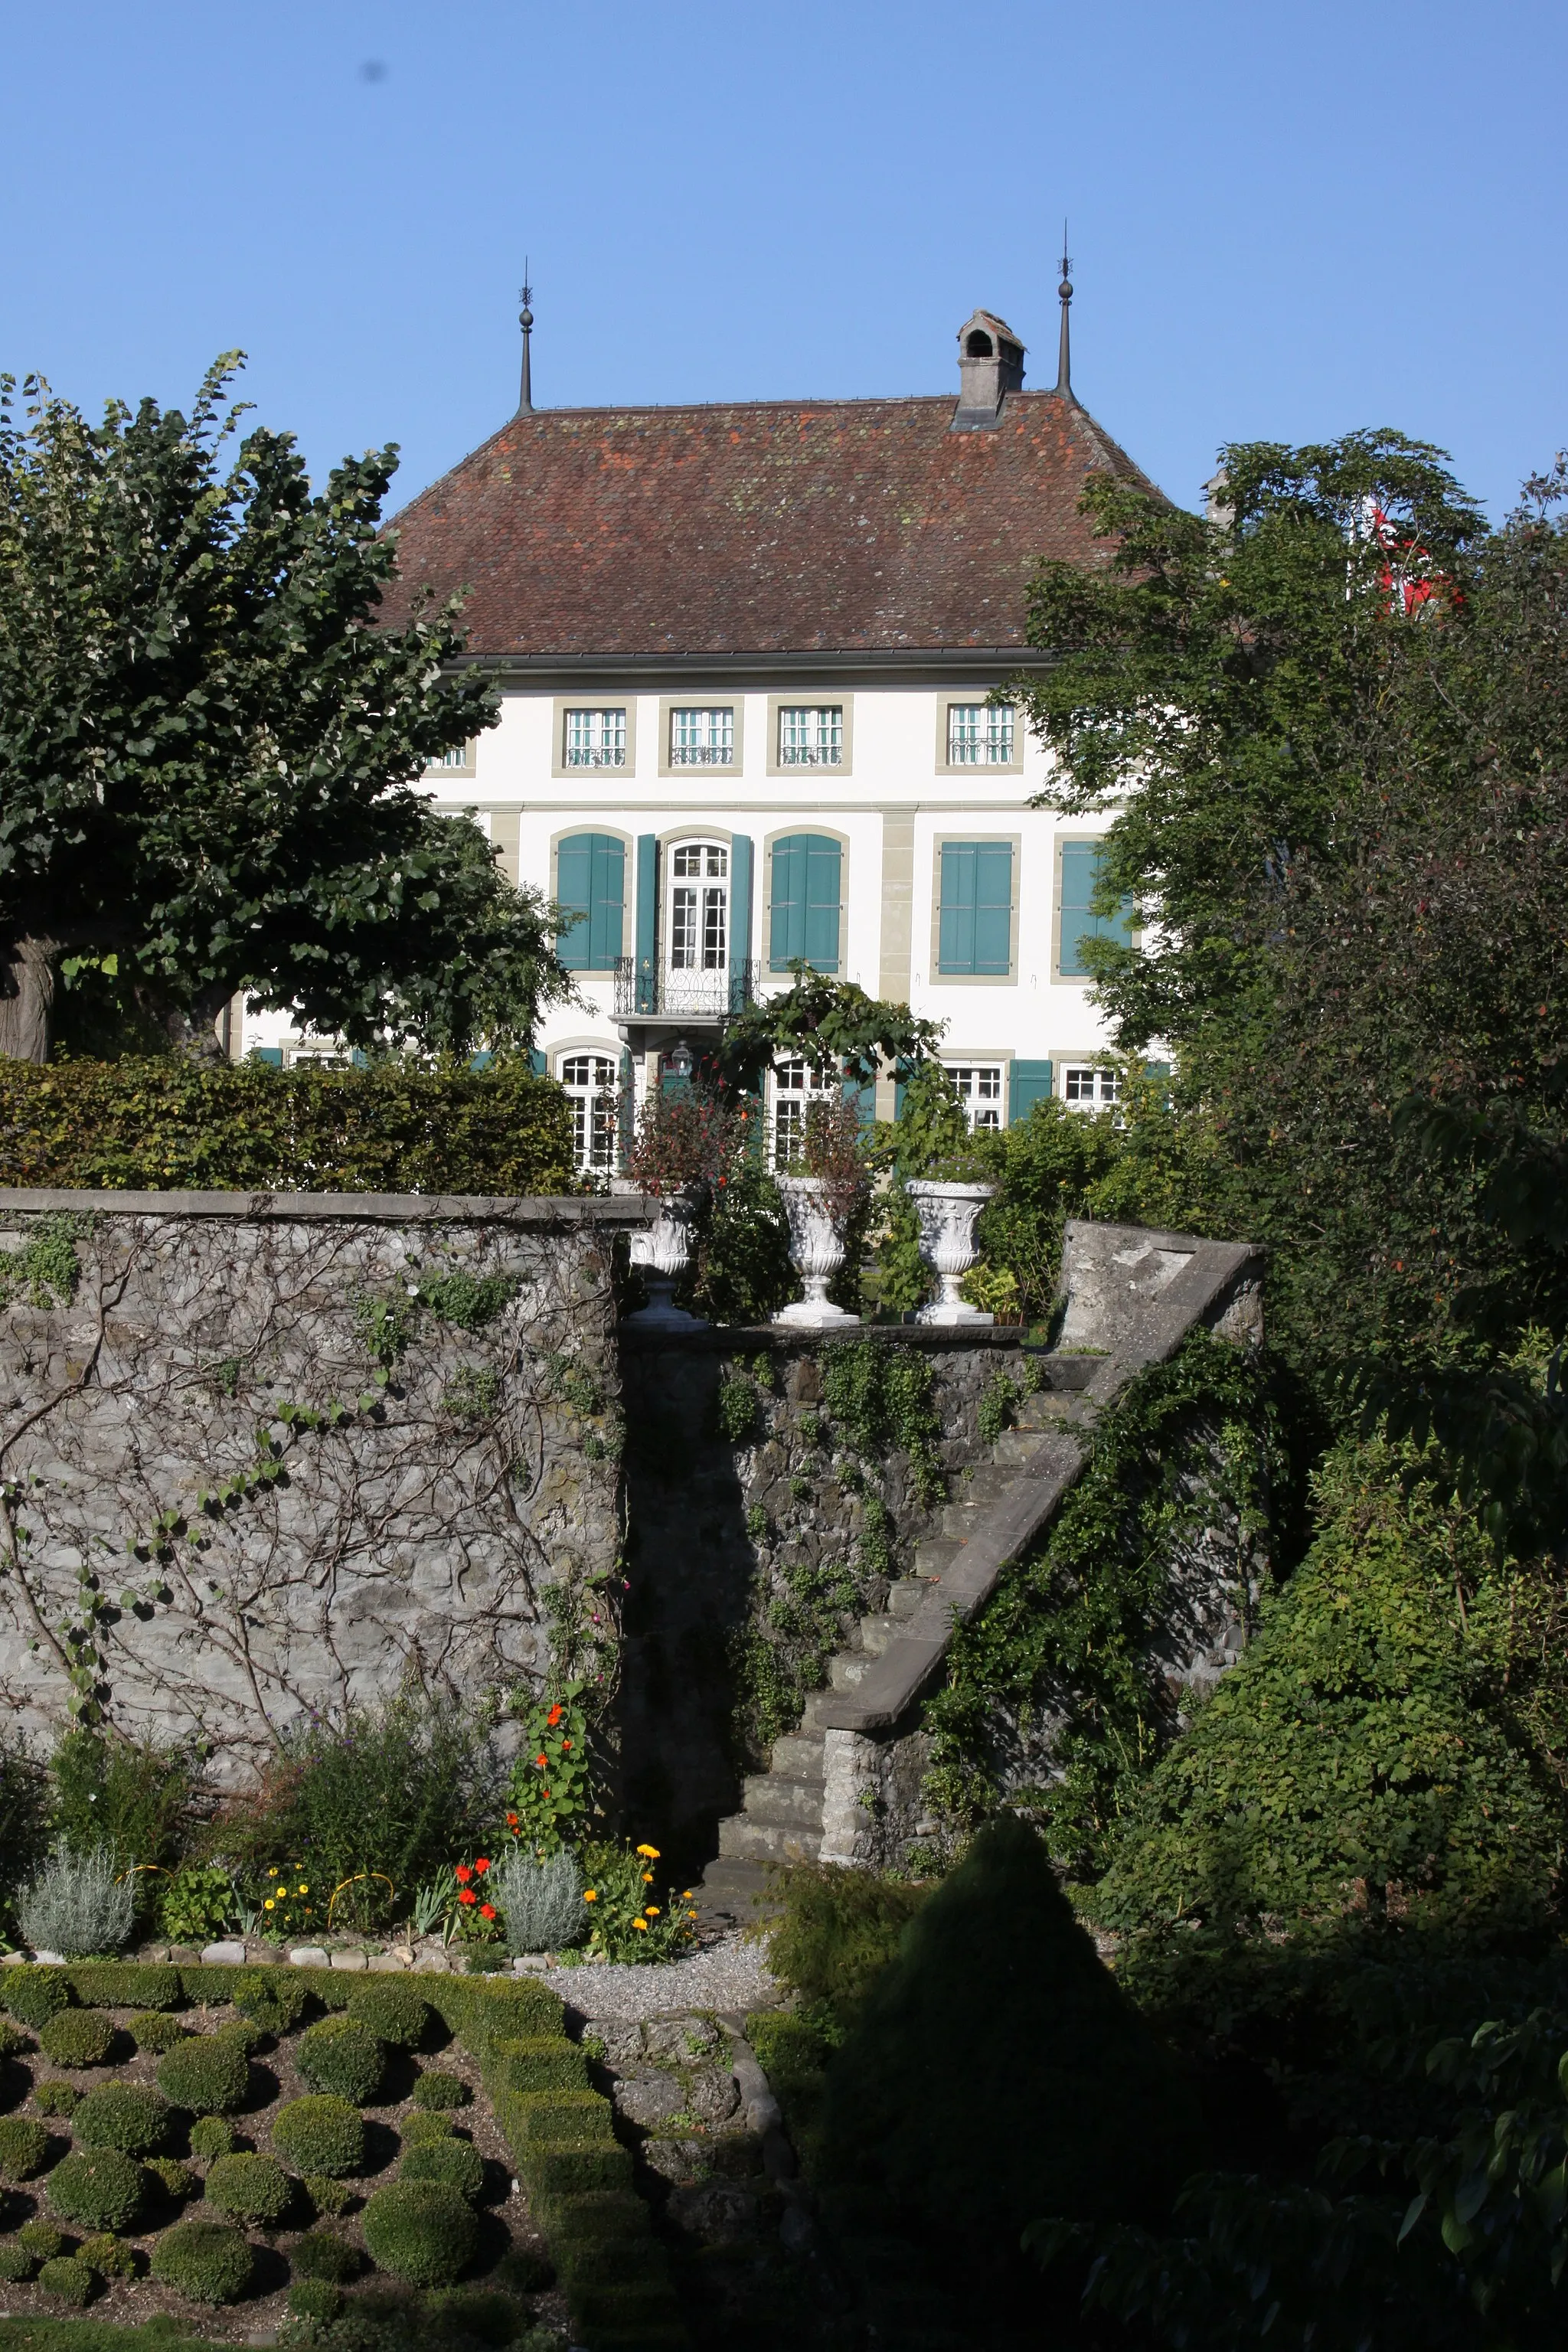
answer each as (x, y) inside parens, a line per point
(1066, 1647)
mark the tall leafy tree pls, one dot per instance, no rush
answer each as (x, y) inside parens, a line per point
(209, 745)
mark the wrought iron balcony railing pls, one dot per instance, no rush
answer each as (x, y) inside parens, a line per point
(647, 990)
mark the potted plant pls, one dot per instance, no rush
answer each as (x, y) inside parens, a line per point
(684, 1144)
(820, 1195)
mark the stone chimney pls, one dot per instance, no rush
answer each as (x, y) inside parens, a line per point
(990, 365)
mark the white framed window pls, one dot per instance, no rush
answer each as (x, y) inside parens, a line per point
(982, 1087)
(979, 735)
(588, 1081)
(794, 1086)
(811, 735)
(701, 738)
(698, 909)
(1090, 1086)
(596, 738)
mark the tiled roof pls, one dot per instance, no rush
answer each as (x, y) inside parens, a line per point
(769, 526)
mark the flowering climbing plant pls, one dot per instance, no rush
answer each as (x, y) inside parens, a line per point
(551, 1781)
(473, 1917)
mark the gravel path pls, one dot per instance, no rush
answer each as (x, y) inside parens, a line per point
(727, 1974)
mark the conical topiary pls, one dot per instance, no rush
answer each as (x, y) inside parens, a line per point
(996, 2074)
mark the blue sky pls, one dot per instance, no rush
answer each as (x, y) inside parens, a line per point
(1286, 220)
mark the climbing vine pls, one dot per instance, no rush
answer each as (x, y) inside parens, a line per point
(1062, 1693)
(46, 1268)
(880, 1397)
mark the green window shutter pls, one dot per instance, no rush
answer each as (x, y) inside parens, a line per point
(607, 901)
(994, 909)
(574, 889)
(741, 859)
(955, 921)
(899, 1091)
(1028, 1084)
(864, 1098)
(647, 922)
(786, 913)
(591, 884)
(272, 1056)
(1081, 878)
(804, 914)
(537, 1063)
(975, 923)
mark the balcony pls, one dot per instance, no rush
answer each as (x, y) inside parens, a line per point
(646, 990)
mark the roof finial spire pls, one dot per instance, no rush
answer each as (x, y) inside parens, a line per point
(1063, 349)
(525, 321)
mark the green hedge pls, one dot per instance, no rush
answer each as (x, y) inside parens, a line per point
(561, 2135)
(169, 1125)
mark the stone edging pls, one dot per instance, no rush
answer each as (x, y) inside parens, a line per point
(558, 1210)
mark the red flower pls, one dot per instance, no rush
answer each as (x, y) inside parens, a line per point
(487, 1910)
(483, 1862)
(468, 1895)
(542, 1762)
(553, 1717)
(547, 1793)
(511, 1820)
(565, 1745)
(462, 1873)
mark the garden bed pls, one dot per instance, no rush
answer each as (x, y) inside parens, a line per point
(511, 2205)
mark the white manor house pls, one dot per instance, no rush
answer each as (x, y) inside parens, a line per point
(746, 654)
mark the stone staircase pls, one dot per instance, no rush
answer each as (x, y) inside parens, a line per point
(781, 1818)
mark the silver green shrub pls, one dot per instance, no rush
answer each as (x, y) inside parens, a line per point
(72, 1905)
(542, 1902)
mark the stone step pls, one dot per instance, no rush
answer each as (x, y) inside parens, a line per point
(846, 1669)
(743, 1839)
(769, 1796)
(984, 1483)
(797, 1756)
(905, 1597)
(934, 1554)
(876, 1633)
(1014, 1446)
(958, 1520)
(732, 1890)
(811, 1716)
(1050, 1411)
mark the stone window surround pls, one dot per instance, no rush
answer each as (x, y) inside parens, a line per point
(945, 767)
(966, 1056)
(811, 698)
(562, 703)
(437, 768)
(671, 703)
(1008, 979)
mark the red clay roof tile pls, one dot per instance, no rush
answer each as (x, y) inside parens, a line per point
(766, 527)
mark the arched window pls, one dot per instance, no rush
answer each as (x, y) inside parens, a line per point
(698, 908)
(588, 1081)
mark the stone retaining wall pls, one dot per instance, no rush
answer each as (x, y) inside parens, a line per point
(264, 1454)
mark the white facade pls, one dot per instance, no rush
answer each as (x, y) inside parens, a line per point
(904, 776)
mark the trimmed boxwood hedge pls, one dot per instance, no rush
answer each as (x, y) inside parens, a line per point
(322, 2254)
(125, 1984)
(41, 2240)
(33, 1995)
(122, 2115)
(272, 1998)
(455, 2163)
(436, 2090)
(72, 2281)
(540, 2062)
(109, 2256)
(52, 2096)
(154, 2030)
(101, 2187)
(173, 1125)
(421, 2127)
(421, 2231)
(343, 2058)
(77, 2037)
(204, 2260)
(315, 2298)
(320, 2135)
(394, 2012)
(251, 2187)
(212, 2136)
(17, 2262)
(208, 2073)
(23, 2145)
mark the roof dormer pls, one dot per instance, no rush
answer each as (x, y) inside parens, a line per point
(990, 365)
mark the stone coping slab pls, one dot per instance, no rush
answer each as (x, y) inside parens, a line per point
(353, 1208)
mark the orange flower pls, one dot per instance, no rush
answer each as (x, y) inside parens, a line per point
(542, 1762)
(468, 1895)
(511, 1820)
(565, 1745)
(589, 1895)
(647, 1878)
(553, 1717)
(462, 1873)
(642, 1923)
(487, 1910)
(482, 1861)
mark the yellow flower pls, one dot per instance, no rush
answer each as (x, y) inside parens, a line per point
(269, 1905)
(304, 1890)
(642, 1923)
(273, 1873)
(589, 1895)
(686, 1893)
(649, 1851)
(652, 1910)
(647, 1878)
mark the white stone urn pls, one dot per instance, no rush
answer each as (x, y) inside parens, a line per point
(817, 1253)
(947, 1214)
(662, 1252)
